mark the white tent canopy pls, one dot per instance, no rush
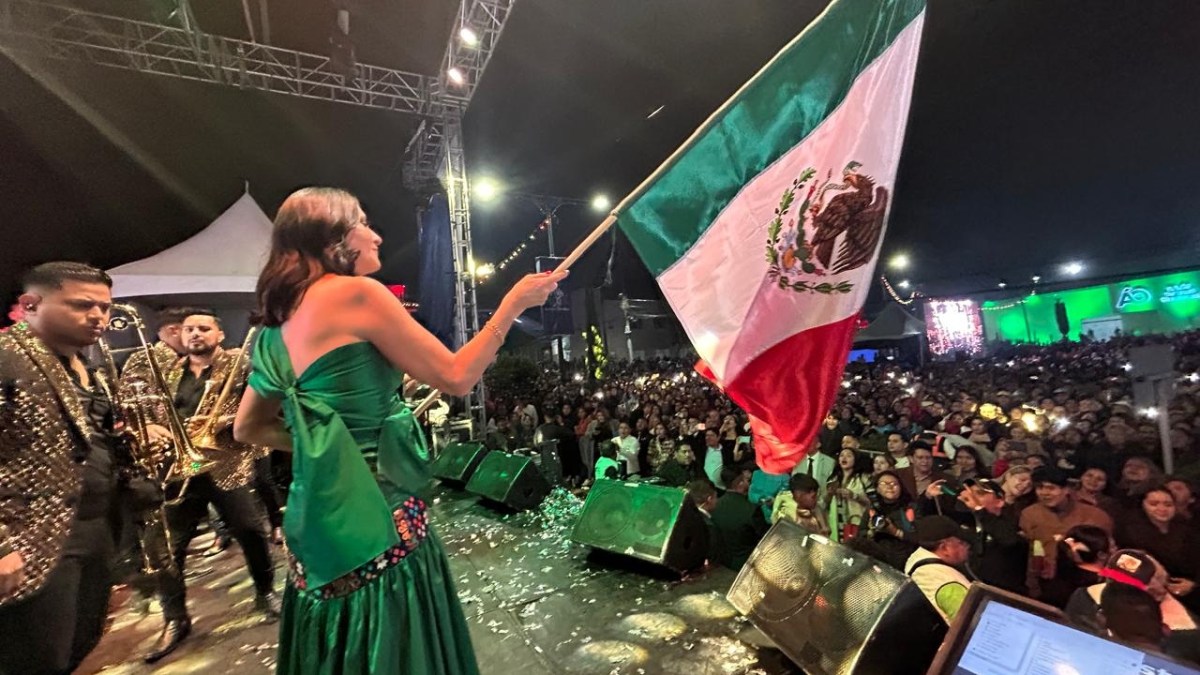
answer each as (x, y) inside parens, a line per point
(225, 257)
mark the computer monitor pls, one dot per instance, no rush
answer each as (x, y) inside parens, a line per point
(998, 633)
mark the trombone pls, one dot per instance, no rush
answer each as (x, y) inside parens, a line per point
(188, 461)
(205, 439)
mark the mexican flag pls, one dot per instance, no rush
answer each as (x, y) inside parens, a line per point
(764, 228)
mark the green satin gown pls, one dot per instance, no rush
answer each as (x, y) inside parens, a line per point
(370, 590)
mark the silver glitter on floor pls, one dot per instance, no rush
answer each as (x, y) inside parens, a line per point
(536, 604)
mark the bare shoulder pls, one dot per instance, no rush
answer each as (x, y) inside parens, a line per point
(346, 291)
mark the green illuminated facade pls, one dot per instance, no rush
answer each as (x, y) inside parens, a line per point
(1163, 304)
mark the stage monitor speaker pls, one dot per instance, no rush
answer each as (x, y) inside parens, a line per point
(654, 523)
(833, 610)
(545, 457)
(457, 462)
(511, 480)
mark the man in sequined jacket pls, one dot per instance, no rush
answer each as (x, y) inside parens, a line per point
(59, 467)
(194, 384)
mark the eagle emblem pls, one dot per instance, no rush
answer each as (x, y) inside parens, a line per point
(828, 234)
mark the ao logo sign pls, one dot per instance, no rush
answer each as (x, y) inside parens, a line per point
(1137, 295)
(1134, 295)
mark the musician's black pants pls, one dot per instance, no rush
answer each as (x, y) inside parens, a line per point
(50, 632)
(243, 517)
(264, 485)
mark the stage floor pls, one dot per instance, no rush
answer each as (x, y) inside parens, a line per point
(536, 603)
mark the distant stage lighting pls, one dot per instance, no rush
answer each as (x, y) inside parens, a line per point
(469, 37)
(904, 284)
(601, 203)
(456, 76)
(1072, 269)
(899, 261)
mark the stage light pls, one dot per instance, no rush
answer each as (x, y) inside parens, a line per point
(469, 37)
(1072, 268)
(485, 270)
(1036, 278)
(1002, 284)
(904, 284)
(601, 203)
(456, 76)
(487, 188)
(899, 261)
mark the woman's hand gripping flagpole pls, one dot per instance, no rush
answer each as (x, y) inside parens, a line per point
(587, 243)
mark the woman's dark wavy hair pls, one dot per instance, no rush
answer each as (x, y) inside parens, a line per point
(307, 243)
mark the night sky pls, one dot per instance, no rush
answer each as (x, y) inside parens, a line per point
(1041, 132)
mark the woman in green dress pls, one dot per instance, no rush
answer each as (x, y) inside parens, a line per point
(370, 590)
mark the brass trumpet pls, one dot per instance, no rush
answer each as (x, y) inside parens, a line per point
(205, 440)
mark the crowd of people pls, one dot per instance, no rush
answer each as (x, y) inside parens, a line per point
(1031, 469)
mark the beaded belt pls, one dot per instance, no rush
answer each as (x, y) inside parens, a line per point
(412, 524)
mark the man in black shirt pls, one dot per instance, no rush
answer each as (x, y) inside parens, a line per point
(1000, 554)
(737, 523)
(195, 383)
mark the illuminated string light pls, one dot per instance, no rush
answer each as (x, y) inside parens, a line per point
(997, 308)
(520, 248)
(887, 286)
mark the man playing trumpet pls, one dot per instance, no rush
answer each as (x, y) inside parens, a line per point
(195, 383)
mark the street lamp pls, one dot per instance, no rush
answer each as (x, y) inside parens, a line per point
(1073, 269)
(487, 188)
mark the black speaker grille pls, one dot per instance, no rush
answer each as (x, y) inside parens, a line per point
(820, 602)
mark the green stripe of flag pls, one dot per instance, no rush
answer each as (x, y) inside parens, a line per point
(770, 114)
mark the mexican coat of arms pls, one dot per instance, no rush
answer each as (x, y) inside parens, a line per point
(826, 235)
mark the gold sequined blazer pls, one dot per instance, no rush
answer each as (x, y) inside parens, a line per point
(43, 428)
(235, 461)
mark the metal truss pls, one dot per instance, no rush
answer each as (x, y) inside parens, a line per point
(458, 200)
(487, 19)
(67, 33)
(437, 147)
